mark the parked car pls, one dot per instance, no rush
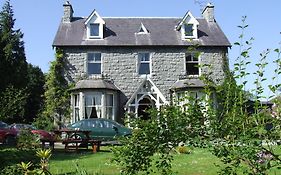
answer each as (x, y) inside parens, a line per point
(7, 135)
(101, 129)
(42, 134)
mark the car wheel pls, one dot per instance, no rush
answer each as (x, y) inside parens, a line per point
(10, 140)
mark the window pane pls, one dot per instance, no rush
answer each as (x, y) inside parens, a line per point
(192, 69)
(94, 57)
(93, 100)
(109, 113)
(91, 56)
(94, 68)
(109, 100)
(188, 58)
(188, 29)
(144, 57)
(97, 56)
(76, 114)
(144, 68)
(76, 100)
(88, 101)
(97, 99)
(94, 29)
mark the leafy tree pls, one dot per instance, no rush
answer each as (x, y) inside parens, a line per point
(13, 68)
(35, 89)
(12, 104)
(13, 65)
(57, 105)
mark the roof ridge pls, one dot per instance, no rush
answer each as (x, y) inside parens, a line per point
(132, 17)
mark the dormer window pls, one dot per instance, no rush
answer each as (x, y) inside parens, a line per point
(188, 27)
(94, 30)
(94, 26)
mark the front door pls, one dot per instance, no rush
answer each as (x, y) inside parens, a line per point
(143, 110)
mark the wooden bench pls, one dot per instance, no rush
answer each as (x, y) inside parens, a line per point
(75, 144)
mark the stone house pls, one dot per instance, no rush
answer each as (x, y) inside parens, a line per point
(129, 64)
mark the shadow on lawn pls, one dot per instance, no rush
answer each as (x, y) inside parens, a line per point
(60, 154)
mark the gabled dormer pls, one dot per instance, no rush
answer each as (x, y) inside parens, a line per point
(94, 26)
(188, 27)
(142, 29)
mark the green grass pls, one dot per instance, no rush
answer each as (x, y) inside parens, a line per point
(199, 162)
(67, 163)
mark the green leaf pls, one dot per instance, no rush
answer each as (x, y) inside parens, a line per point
(244, 53)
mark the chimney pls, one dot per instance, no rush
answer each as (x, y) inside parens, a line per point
(67, 12)
(208, 13)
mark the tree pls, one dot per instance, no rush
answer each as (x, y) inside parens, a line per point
(13, 68)
(12, 104)
(13, 65)
(57, 105)
(35, 89)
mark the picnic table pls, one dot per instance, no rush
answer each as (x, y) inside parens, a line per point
(77, 139)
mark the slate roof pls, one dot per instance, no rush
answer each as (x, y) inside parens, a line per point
(95, 84)
(122, 32)
(187, 83)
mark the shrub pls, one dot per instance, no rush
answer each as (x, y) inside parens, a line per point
(28, 140)
(183, 150)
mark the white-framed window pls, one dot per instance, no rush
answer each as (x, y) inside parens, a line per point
(93, 105)
(144, 63)
(94, 63)
(192, 64)
(94, 30)
(76, 102)
(188, 30)
(183, 98)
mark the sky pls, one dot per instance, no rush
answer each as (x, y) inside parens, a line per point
(39, 21)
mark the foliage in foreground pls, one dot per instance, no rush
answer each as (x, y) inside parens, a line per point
(239, 130)
(10, 157)
(57, 105)
(159, 135)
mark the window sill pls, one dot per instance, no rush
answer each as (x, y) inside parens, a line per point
(188, 76)
(95, 38)
(144, 75)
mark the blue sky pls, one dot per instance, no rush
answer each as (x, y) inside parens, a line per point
(39, 20)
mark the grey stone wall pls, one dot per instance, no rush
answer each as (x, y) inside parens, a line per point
(120, 65)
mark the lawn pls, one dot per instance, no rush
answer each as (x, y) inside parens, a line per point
(199, 162)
